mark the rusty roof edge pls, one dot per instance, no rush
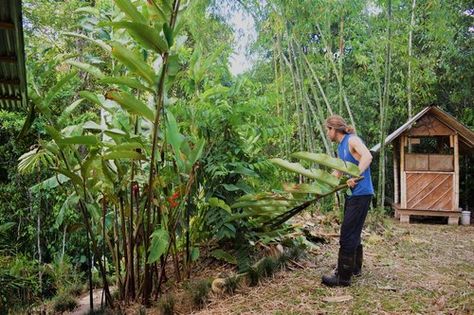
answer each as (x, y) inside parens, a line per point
(20, 47)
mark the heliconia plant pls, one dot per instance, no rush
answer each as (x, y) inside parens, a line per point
(132, 172)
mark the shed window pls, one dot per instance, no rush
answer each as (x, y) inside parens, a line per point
(431, 145)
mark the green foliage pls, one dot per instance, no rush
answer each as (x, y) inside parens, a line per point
(159, 244)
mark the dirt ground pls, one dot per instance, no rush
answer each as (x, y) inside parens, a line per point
(408, 269)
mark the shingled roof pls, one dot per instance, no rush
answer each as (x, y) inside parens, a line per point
(12, 57)
(466, 135)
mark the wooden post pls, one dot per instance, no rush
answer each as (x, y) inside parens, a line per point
(395, 175)
(403, 188)
(456, 173)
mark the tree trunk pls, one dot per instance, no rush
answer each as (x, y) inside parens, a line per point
(384, 109)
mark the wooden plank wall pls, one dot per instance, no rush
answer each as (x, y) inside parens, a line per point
(430, 190)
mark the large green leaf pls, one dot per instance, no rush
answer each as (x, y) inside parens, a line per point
(126, 146)
(132, 105)
(97, 42)
(6, 226)
(70, 202)
(216, 202)
(159, 244)
(87, 68)
(331, 162)
(50, 183)
(134, 62)
(132, 155)
(223, 255)
(196, 153)
(319, 175)
(81, 140)
(130, 10)
(173, 136)
(325, 177)
(76, 179)
(318, 189)
(129, 82)
(145, 35)
(91, 97)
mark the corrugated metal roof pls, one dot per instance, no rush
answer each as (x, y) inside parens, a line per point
(465, 134)
(12, 57)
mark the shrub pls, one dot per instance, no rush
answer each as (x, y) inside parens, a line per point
(64, 302)
(199, 292)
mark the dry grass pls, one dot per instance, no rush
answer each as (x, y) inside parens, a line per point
(408, 269)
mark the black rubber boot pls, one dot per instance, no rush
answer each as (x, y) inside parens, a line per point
(342, 277)
(358, 261)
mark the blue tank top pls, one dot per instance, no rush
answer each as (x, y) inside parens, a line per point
(365, 186)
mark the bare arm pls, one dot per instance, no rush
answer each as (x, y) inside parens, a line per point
(358, 147)
(362, 154)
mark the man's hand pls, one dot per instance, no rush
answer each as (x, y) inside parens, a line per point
(351, 182)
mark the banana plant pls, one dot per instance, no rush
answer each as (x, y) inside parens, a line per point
(270, 210)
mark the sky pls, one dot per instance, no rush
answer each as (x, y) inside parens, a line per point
(243, 26)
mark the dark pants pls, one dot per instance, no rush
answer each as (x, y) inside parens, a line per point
(355, 212)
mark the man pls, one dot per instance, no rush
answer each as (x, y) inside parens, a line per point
(350, 149)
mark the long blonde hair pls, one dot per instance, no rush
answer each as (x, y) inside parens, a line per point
(338, 123)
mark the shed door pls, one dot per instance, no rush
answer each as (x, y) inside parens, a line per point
(430, 190)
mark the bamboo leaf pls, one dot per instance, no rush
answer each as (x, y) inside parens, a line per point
(132, 104)
(87, 68)
(145, 35)
(159, 244)
(331, 162)
(130, 10)
(134, 62)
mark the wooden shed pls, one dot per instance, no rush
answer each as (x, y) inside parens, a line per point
(426, 152)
